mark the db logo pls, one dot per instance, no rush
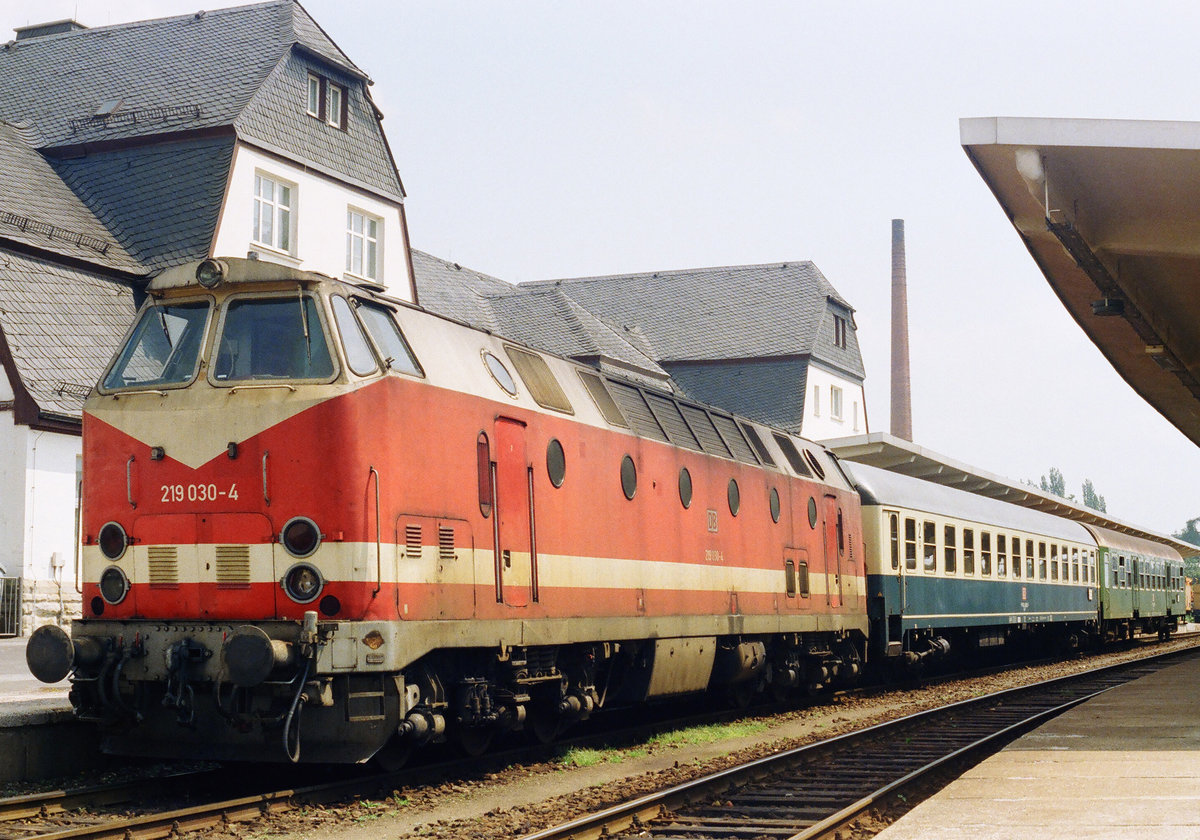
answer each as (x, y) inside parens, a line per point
(712, 521)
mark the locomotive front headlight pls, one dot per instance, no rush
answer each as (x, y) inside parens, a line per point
(113, 541)
(302, 583)
(114, 586)
(300, 536)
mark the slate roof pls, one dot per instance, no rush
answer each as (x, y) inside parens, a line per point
(732, 312)
(38, 210)
(61, 326)
(228, 67)
(541, 317)
(771, 391)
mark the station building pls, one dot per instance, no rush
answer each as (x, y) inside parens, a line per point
(254, 135)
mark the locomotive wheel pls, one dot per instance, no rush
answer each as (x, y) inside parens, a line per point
(393, 755)
(474, 740)
(545, 725)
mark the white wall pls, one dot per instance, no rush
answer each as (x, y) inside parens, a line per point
(819, 422)
(13, 446)
(50, 494)
(319, 208)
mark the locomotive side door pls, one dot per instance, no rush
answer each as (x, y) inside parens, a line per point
(514, 537)
(833, 545)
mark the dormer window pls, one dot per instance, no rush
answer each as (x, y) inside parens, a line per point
(326, 101)
(839, 331)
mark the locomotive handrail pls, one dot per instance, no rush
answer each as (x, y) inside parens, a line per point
(129, 482)
(266, 496)
(262, 386)
(378, 543)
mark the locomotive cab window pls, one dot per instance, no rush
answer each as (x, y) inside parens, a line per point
(389, 341)
(273, 338)
(163, 349)
(354, 341)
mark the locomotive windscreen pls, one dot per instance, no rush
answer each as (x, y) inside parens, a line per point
(163, 348)
(272, 338)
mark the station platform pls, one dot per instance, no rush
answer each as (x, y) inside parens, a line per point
(39, 736)
(1125, 764)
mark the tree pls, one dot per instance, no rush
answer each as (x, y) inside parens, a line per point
(1091, 498)
(1189, 533)
(1056, 486)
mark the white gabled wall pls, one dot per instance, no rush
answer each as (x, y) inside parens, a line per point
(819, 422)
(319, 208)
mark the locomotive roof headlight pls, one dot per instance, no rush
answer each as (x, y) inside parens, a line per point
(300, 536)
(113, 541)
(114, 586)
(210, 273)
(303, 583)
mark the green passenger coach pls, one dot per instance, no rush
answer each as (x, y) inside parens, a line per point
(1142, 585)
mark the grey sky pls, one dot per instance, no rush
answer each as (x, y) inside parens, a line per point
(562, 139)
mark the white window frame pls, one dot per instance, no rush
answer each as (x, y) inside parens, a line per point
(335, 104)
(283, 216)
(367, 268)
(835, 402)
(315, 99)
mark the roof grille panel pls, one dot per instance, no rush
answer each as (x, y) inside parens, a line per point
(539, 379)
(634, 406)
(603, 399)
(672, 420)
(732, 435)
(710, 438)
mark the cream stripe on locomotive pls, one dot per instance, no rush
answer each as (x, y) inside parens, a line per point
(188, 564)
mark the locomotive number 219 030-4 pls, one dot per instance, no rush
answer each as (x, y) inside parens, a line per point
(197, 492)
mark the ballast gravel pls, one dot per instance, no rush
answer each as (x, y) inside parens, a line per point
(519, 800)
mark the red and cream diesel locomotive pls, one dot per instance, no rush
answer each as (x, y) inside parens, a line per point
(323, 525)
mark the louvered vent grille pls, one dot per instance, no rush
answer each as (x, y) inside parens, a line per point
(706, 431)
(412, 540)
(164, 565)
(635, 408)
(733, 436)
(233, 565)
(445, 543)
(677, 428)
(604, 401)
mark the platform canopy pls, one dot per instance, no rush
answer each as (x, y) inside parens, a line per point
(1110, 211)
(879, 449)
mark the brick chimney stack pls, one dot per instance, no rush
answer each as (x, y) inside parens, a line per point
(901, 388)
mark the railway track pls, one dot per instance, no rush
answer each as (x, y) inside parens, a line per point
(812, 791)
(143, 809)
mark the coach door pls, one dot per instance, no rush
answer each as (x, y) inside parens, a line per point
(514, 535)
(832, 538)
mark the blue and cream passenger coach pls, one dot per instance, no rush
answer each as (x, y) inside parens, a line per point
(951, 570)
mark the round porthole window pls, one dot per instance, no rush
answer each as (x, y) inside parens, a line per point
(774, 505)
(812, 512)
(628, 477)
(735, 497)
(685, 487)
(500, 373)
(556, 462)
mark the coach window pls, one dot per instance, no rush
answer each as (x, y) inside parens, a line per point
(1053, 562)
(1041, 561)
(1029, 559)
(358, 352)
(910, 544)
(1075, 567)
(894, 529)
(1016, 556)
(968, 551)
(985, 554)
(1001, 556)
(951, 549)
(930, 553)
